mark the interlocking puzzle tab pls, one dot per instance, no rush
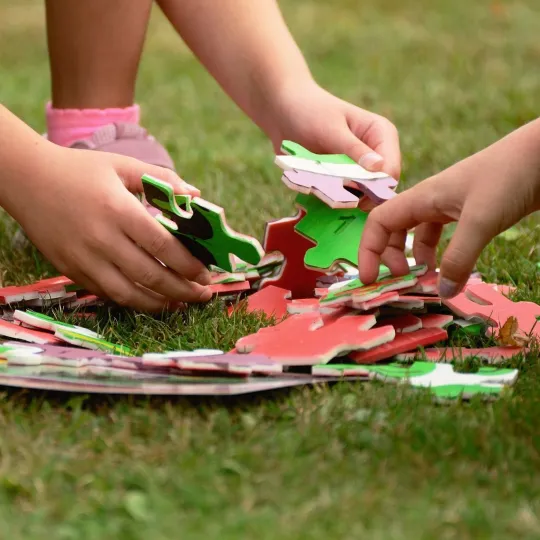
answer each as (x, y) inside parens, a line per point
(280, 236)
(201, 227)
(337, 233)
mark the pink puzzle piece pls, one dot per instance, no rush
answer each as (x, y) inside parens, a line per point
(293, 276)
(16, 331)
(378, 189)
(305, 340)
(493, 355)
(483, 302)
(402, 343)
(327, 188)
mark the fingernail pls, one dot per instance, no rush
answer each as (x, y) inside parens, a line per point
(448, 288)
(206, 295)
(189, 187)
(371, 161)
(203, 278)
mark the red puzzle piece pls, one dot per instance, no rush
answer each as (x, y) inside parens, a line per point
(293, 276)
(402, 343)
(52, 286)
(271, 300)
(427, 284)
(436, 320)
(16, 331)
(305, 340)
(229, 288)
(383, 299)
(403, 324)
(484, 302)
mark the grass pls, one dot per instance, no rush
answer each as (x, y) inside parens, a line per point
(350, 461)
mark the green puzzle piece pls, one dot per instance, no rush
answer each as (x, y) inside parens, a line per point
(295, 149)
(443, 381)
(337, 232)
(201, 227)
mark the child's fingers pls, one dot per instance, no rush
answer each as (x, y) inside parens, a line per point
(394, 254)
(131, 170)
(124, 292)
(146, 232)
(469, 239)
(426, 239)
(140, 268)
(383, 137)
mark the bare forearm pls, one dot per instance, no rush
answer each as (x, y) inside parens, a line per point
(23, 153)
(244, 44)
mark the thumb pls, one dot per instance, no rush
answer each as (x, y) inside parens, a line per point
(347, 143)
(470, 238)
(131, 170)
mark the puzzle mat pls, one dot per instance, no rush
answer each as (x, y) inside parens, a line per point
(115, 381)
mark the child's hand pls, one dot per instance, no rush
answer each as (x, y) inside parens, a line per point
(485, 193)
(323, 123)
(81, 215)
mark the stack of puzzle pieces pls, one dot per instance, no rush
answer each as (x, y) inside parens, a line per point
(325, 324)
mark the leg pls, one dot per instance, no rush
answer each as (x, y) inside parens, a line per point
(95, 47)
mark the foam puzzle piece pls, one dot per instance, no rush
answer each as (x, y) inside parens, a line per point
(201, 227)
(272, 301)
(16, 331)
(227, 277)
(436, 320)
(81, 339)
(350, 171)
(294, 276)
(355, 292)
(483, 302)
(44, 322)
(229, 288)
(381, 300)
(493, 355)
(403, 324)
(379, 190)
(329, 189)
(339, 370)
(402, 343)
(304, 305)
(408, 303)
(292, 148)
(444, 382)
(337, 232)
(161, 196)
(305, 340)
(427, 284)
(50, 287)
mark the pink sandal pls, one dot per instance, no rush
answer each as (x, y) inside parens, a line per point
(129, 140)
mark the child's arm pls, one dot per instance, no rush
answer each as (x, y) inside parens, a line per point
(485, 193)
(76, 206)
(247, 47)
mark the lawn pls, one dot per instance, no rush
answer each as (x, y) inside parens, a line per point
(351, 461)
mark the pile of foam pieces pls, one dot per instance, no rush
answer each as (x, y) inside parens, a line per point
(324, 323)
